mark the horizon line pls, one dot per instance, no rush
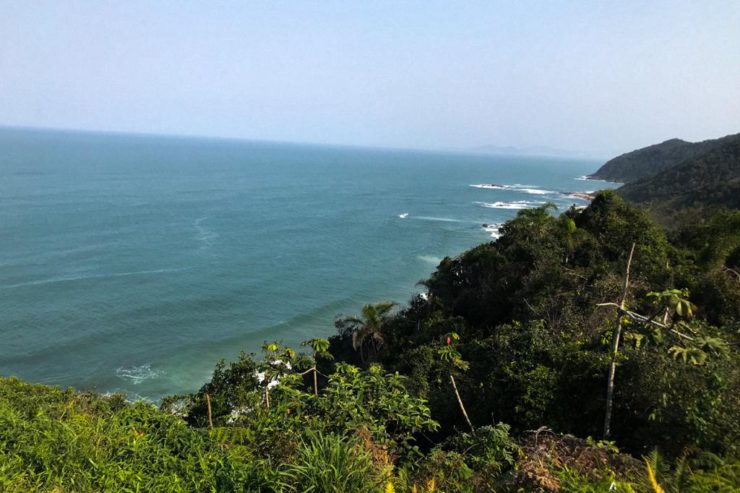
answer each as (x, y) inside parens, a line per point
(477, 150)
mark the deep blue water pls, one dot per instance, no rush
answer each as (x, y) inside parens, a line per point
(132, 263)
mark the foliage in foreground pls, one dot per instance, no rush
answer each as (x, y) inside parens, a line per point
(55, 440)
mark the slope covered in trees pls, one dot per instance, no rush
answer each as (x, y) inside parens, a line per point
(649, 161)
(711, 178)
(482, 385)
(527, 310)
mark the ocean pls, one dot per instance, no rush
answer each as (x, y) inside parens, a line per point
(135, 263)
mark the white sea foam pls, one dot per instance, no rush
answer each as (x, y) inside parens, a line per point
(588, 178)
(583, 196)
(516, 187)
(429, 259)
(440, 219)
(535, 191)
(138, 374)
(492, 229)
(505, 205)
(496, 186)
(516, 204)
(204, 235)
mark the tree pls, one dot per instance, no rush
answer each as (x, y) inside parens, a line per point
(367, 335)
(452, 357)
(320, 350)
(615, 347)
(670, 318)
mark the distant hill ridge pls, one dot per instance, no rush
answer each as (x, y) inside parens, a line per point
(676, 176)
(711, 178)
(649, 161)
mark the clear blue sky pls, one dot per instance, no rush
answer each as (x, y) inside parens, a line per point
(599, 77)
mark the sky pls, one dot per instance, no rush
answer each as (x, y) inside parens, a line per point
(598, 78)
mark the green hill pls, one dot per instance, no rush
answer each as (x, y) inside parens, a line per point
(711, 178)
(650, 161)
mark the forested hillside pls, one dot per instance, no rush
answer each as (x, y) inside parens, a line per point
(649, 161)
(680, 183)
(585, 352)
(709, 179)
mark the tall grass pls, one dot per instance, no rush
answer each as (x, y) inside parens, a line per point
(330, 463)
(56, 440)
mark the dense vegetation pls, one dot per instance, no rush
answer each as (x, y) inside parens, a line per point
(679, 182)
(649, 161)
(481, 385)
(709, 179)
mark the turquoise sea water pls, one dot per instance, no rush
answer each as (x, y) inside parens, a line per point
(132, 263)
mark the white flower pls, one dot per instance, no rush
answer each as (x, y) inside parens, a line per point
(235, 413)
(279, 362)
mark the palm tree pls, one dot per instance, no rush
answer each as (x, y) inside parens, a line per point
(367, 335)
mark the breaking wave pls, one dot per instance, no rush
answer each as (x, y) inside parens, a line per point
(517, 187)
(137, 374)
(430, 259)
(516, 204)
(492, 229)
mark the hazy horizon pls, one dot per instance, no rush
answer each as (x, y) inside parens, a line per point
(533, 151)
(592, 80)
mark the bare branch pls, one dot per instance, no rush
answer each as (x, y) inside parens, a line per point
(615, 346)
(646, 320)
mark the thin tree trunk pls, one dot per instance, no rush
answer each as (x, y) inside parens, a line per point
(615, 348)
(460, 402)
(210, 414)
